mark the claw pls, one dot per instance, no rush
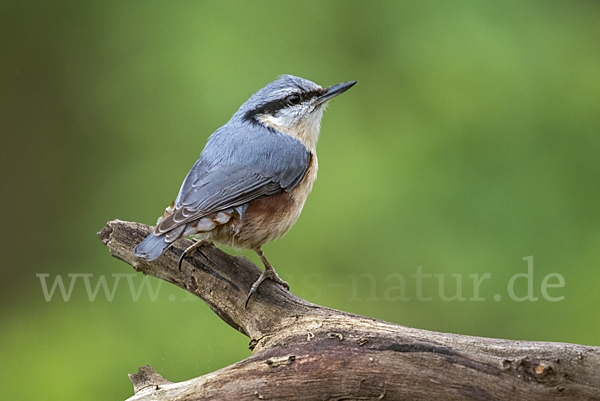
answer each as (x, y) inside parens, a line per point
(189, 250)
(183, 255)
(248, 297)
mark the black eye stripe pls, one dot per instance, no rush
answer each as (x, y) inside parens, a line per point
(268, 108)
(272, 107)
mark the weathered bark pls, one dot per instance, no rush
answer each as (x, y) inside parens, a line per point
(303, 351)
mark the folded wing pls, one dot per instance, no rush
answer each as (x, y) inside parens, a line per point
(240, 163)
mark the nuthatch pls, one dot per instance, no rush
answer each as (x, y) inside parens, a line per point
(251, 181)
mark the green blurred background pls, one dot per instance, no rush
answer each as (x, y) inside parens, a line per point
(470, 142)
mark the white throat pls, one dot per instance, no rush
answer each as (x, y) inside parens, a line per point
(306, 130)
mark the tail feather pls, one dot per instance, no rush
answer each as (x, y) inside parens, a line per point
(151, 248)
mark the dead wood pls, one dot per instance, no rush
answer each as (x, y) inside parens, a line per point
(303, 351)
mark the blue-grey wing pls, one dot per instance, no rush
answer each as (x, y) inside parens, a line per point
(240, 163)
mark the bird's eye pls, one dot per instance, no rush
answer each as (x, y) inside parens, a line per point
(293, 99)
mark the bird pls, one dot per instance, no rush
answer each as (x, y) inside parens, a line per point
(253, 176)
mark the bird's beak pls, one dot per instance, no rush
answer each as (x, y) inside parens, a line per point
(335, 90)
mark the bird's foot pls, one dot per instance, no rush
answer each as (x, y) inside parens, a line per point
(189, 250)
(268, 273)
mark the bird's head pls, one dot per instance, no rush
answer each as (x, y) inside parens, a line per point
(291, 105)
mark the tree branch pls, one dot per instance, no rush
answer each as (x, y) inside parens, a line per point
(303, 351)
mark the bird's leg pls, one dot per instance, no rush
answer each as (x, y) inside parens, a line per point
(268, 273)
(189, 250)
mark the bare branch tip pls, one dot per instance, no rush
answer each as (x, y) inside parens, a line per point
(146, 377)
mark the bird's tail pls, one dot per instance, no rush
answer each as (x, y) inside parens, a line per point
(151, 248)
